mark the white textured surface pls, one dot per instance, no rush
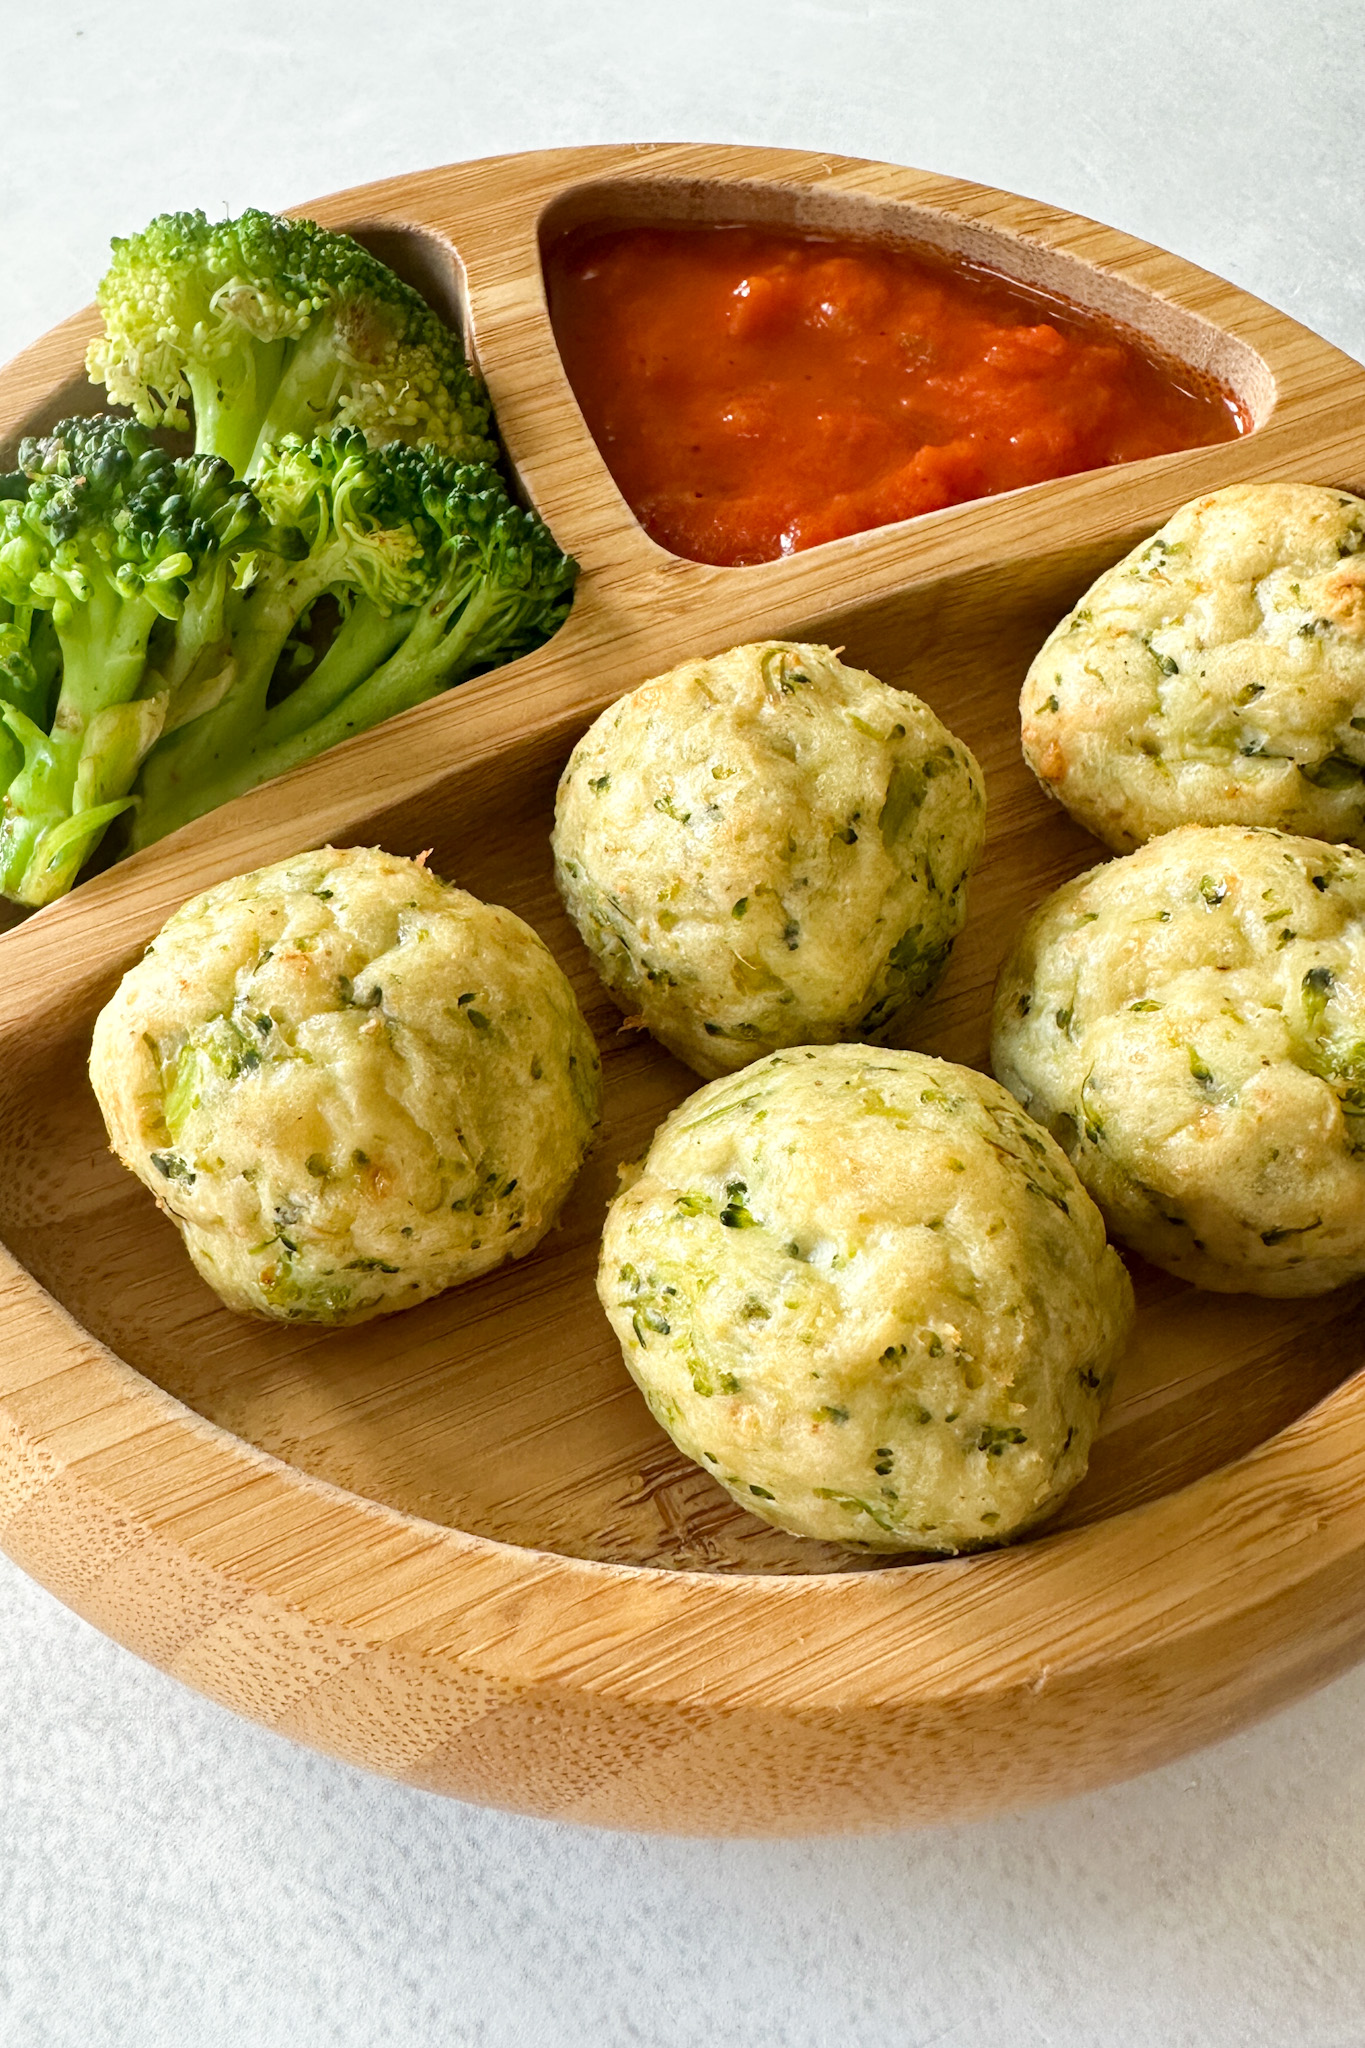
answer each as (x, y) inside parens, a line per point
(171, 1877)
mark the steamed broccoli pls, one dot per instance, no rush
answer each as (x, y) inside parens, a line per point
(274, 327)
(149, 609)
(111, 538)
(441, 573)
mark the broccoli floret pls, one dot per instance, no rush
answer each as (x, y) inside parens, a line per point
(272, 327)
(111, 538)
(475, 582)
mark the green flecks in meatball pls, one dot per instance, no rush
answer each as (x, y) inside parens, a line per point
(211, 1056)
(645, 1320)
(905, 792)
(172, 1167)
(1213, 890)
(735, 1215)
(1199, 1068)
(870, 1103)
(1092, 1122)
(913, 965)
(874, 1511)
(996, 1438)
(1167, 665)
(708, 1383)
(369, 999)
(1316, 989)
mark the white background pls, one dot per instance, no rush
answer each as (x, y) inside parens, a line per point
(171, 1877)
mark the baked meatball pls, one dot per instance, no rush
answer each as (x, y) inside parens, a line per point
(1189, 1023)
(870, 1297)
(349, 1085)
(1216, 676)
(767, 849)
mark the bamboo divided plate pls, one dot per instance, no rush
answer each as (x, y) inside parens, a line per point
(452, 1545)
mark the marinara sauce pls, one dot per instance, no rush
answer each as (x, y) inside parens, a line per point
(755, 391)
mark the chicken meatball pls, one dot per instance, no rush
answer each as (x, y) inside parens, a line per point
(349, 1084)
(1189, 1023)
(1216, 676)
(869, 1295)
(767, 849)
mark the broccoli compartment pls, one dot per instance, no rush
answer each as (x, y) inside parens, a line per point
(342, 544)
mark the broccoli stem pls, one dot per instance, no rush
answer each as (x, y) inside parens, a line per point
(25, 676)
(408, 678)
(435, 654)
(74, 780)
(20, 688)
(306, 391)
(200, 637)
(194, 756)
(365, 639)
(228, 408)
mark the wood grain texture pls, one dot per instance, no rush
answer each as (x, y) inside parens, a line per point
(453, 1546)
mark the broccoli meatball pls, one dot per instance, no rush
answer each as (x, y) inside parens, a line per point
(1189, 1023)
(870, 1297)
(1216, 676)
(348, 1084)
(768, 849)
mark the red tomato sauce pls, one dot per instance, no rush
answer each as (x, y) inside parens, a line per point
(755, 391)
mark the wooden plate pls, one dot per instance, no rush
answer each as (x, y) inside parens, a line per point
(452, 1545)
